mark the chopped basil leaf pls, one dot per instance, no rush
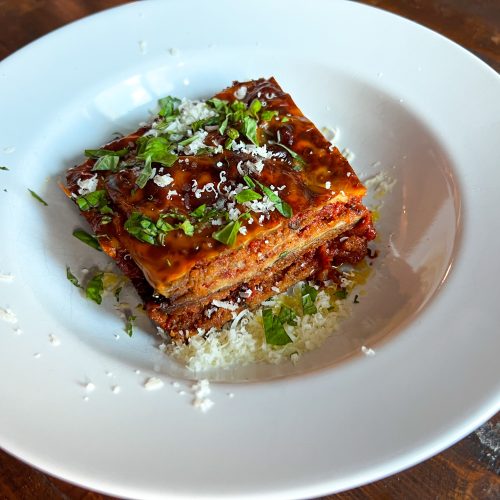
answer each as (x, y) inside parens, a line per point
(341, 294)
(219, 104)
(146, 230)
(247, 195)
(158, 149)
(309, 294)
(287, 316)
(254, 108)
(228, 233)
(238, 107)
(273, 329)
(4, 168)
(198, 212)
(106, 219)
(281, 206)
(189, 140)
(38, 198)
(285, 119)
(168, 106)
(72, 278)
(99, 153)
(205, 151)
(250, 129)
(107, 163)
(232, 134)
(299, 161)
(96, 199)
(87, 238)
(187, 227)
(106, 209)
(95, 287)
(268, 115)
(117, 293)
(146, 173)
(249, 182)
(283, 254)
(129, 325)
(142, 228)
(224, 124)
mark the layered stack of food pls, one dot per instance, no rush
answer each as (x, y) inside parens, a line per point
(218, 205)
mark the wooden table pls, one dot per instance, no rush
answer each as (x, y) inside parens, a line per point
(471, 468)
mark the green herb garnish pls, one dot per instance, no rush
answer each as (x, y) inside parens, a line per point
(268, 115)
(188, 141)
(88, 239)
(224, 125)
(169, 106)
(228, 233)
(129, 325)
(287, 316)
(232, 134)
(38, 198)
(247, 195)
(145, 229)
(309, 294)
(250, 129)
(198, 212)
(146, 173)
(281, 206)
(142, 228)
(299, 162)
(95, 287)
(158, 149)
(96, 199)
(100, 153)
(72, 278)
(254, 108)
(109, 162)
(341, 294)
(117, 293)
(273, 328)
(187, 227)
(285, 119)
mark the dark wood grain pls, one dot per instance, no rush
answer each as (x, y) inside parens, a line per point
(471, 468)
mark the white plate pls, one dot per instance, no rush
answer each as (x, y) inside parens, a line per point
(401, 95)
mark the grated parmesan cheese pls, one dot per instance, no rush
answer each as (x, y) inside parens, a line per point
(201, 390)
(367, 351)
(243, 340)
(153, 384)
(163, 180)
(87, 186)
(7, 315)
(6, 278)
(241, 92)
(231, 306)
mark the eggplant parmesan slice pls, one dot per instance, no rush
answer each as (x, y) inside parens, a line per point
(219, 203)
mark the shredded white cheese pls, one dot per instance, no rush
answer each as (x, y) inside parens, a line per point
(201, 390)
(87, 185)
(153, 384)
(367, 351)
(6, 278)
(243, 340)
(7, 315)
(231, 306)
(54, 340)
(241, 92)
(163, 180)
